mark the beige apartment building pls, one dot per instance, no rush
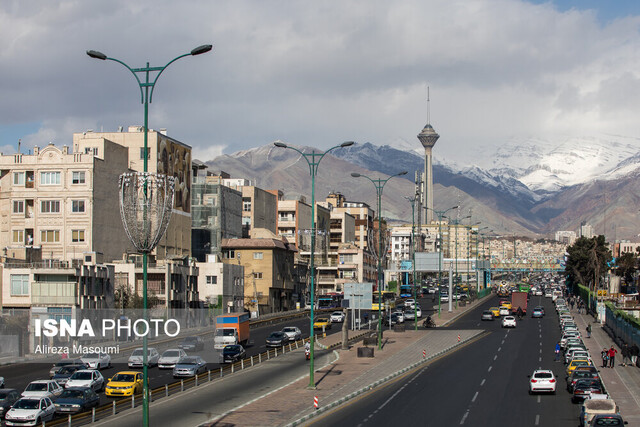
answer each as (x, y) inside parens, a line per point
(362, 213)
(165, 156)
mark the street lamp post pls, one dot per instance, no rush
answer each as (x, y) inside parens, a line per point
(440, 215)
(146, 95)
(313, 160)
(379, 185)
(457, 224)
(412, 200)
(469, 251)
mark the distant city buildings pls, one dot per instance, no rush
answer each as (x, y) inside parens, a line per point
(566, 237)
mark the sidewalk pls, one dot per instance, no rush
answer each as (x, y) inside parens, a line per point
(622, 382)
(350, 375)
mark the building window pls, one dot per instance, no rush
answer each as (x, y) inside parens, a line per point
(77, 177)
(91, 150)
(258, 255)
(77, 236)
(212, 280)
(49, 178)
(18, 236)
(18, 179)
(50, 206)
(77, 206)
(49, 236)
(142, 153)
(18, 206)
(246, 205)
(257, 275)
(230, 254)
(19, 284)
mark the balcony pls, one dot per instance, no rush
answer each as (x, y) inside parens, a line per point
(54, 293)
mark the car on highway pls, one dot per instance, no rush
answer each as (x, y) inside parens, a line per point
(487, 315)
(43, 388)
(76, 399)
(193, 343)
(96, 360)
(87, 378)
(539, 307)
(65, 362)
(400, 315)
(537, 313)
(63, 374)
(607, 420)
(418, 310)
(586, 387)
(444, 297)
(124, 383)
(233, 353)
(136, 358)
(542, 380)
(337, 317)
(170, 357)
(392, 319)
(495, 311)
(575, 363)
(190, 366)
(8, 396)
(410, 302)
(504, 311)
(322, 322)
(276, 339)
(508, 322)
(292, 332)
(30, 411)
(505, 303)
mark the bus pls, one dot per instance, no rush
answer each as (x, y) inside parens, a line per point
(325, 302)
(524, 287)
(406, 291)
(387, 297)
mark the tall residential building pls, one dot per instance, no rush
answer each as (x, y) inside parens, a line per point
(64, 201)
(362, 213)
(566, 237)
(165, 155)
(586, 230)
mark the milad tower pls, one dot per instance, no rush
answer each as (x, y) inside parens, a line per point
(428, 138)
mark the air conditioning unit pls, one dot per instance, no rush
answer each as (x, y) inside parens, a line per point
(89, 258)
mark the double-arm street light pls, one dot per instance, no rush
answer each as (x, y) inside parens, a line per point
(146, 96)
(379, 184)
(313, 160)
(440, 215)
(412, 200)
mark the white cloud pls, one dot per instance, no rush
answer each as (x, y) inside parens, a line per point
(318, 73)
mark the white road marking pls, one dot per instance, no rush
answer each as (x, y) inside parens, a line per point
(489, 370)
(474, 397)
(495, 357)
(499, 348)
(464, 417)
(539, 398)
(540, 359)
(482, 383)
(537, 419)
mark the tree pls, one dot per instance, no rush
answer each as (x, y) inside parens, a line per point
(587, 261)
(626, 265)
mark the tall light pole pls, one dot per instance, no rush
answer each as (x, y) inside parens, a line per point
(146, 97)
(379, 185)
(412, 200)
(469, 250)
(313, 160)
(440, 215)
(457, 224)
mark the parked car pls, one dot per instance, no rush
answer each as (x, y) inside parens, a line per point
(34, 410)
(542, 380)
(608, 420)
(276, 339)
(8, 396)
(76, 399)
(125, 383)
(508, 322)
(97, 360)
(586, 387)
(170, 357)
(575, 363)
(580, 374)
(65, 362)
(292, 332)
(43, 388)
(232, 353)
(190, 366)
(487, 315)
(337, 317)
(192, 344)
(136, 358)
(63, 374)
(87, 378)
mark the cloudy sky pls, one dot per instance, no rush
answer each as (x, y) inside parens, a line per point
(319, 73)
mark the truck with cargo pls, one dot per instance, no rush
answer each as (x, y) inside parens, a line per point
(519, 299)
(232, 328)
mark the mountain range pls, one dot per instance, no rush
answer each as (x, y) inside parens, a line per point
(527, 187)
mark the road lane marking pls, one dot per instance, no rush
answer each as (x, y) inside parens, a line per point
(474, 397)
(499, 348)
(489, 370)
(540, 359)
(482, 383)
(537, 419)
(464, 417)
(539, 398)
(495, 357)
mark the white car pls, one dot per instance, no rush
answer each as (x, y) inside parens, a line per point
(418, 311)
(170, 357)
(504, 311)
(30, 411)
(409, 302)
(135, 360)
(87, 378)
(508, 322)
(43, 388)
(96, 360)
(542, 380)
(293, 332)
(337, 317)
(400, 315)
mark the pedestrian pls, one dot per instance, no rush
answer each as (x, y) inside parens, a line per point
(589, 330)
(625, 354)
(571, 303)
(557, 351)
(612, 357)
(634, 351)
(605, 357)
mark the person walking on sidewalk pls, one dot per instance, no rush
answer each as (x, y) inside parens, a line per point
(605, 357)
(589, 330)
(634, 351)
(625, 354)
(612, 357)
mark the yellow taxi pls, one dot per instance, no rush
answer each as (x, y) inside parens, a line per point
(505, 304)
(322, 322)
(495, 311)
(125, 383)
(576, 363)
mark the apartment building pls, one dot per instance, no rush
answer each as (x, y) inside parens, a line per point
(221, 284)
(362, 213)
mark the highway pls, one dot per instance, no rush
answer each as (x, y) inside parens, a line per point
(482, 384)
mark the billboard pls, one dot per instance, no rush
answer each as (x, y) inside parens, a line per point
(174, 159)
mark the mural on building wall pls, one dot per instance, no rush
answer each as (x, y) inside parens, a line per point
(175, 160)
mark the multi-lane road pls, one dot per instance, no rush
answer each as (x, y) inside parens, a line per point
(481, 384)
